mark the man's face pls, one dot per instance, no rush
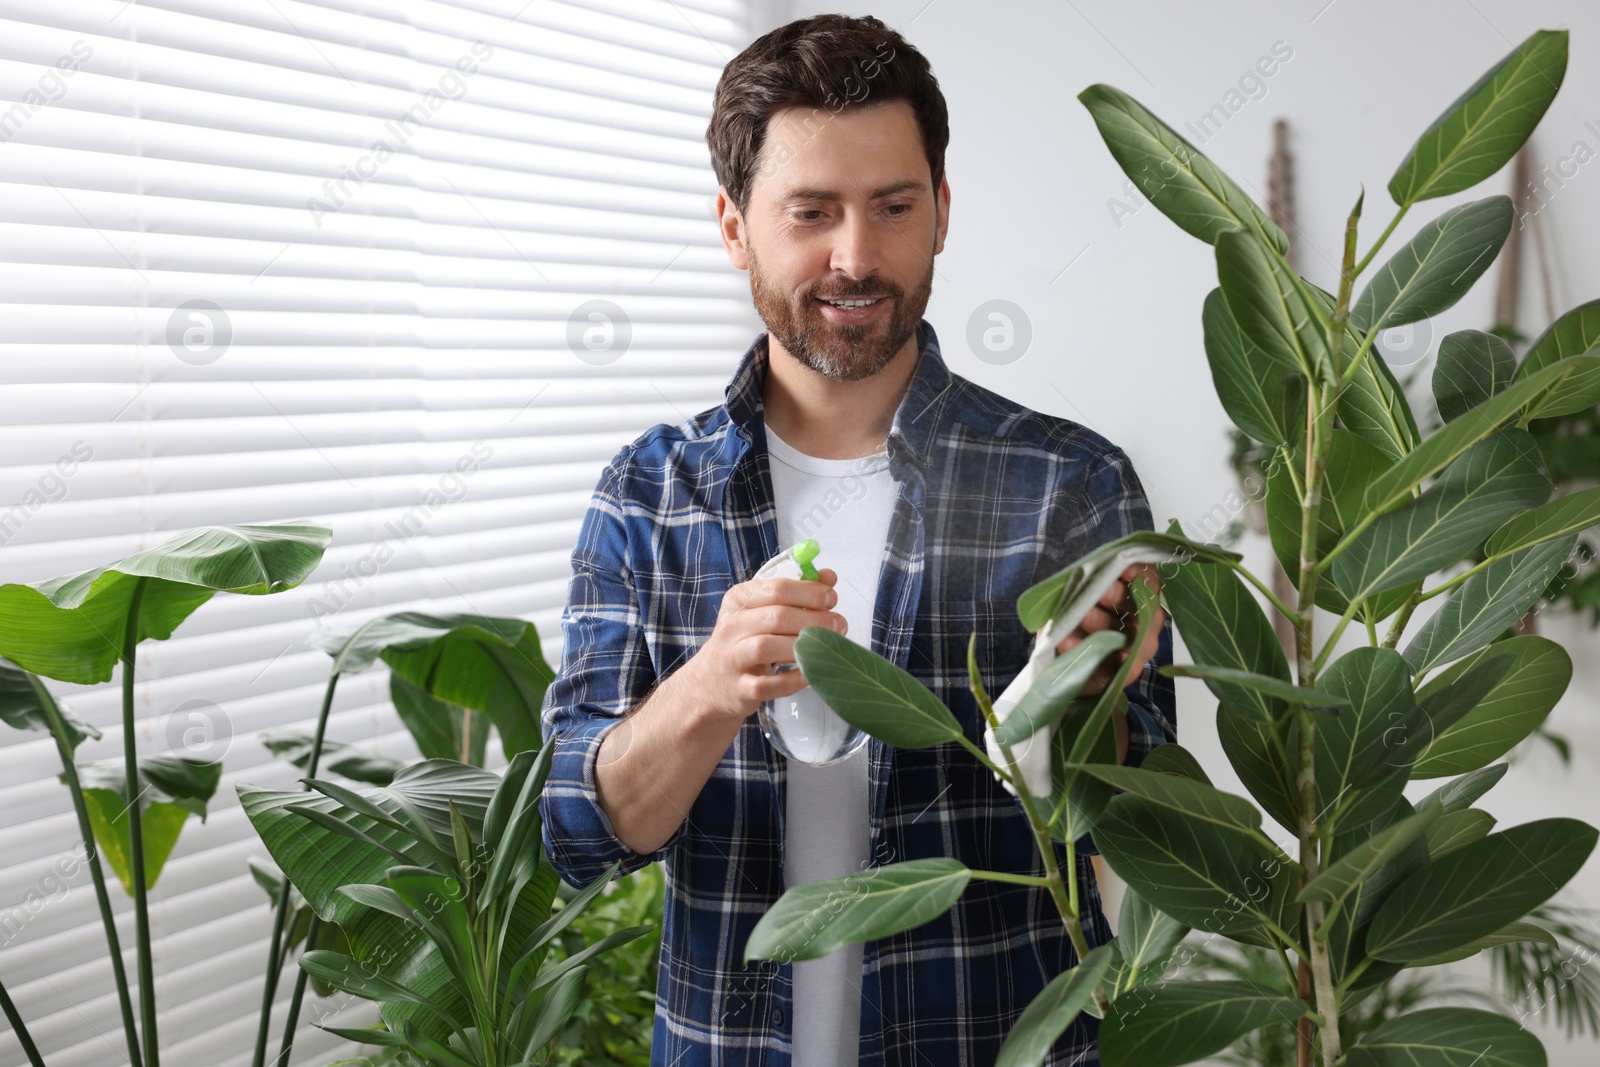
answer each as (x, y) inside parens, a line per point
(841, 207)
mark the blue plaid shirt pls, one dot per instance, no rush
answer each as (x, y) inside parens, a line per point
(993, 497)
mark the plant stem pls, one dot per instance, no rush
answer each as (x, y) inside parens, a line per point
(1014, 879)
(276, 950)
(293, 1018)
(1283, 609)
(69, 771)
(130, 766)
(20, 1028)
(1401, 617)
(1382, 237)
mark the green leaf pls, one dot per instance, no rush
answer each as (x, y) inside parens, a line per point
(1085, 797)
(1481, 608)
(811, 920)
(1180, 1022)
(1267, 306)
(1266, 684)
(170, 789)
(22, 706)
(1472, 366)
(1441, 707)
(1260, 396)
(344, 973)
(1564, 515)
(1057, 685)
(1483, 128)
(1182, 183)
(1359, 776)
(1223, 626)
(1146, 936)
(338, 757)
(1458, 828)
(1337, 880)
(1052, 1011)
(1575, 333)
(71, 628)
(1448, 1037)
(488, 663)
(1261, 761)
(1459, 794)
(1347, 936)
(1539, 673)
(871, 693)
(1510, 934)
(1199, 800)
(1395, 484)
(1475, 890)
(1435, 268)
(1374, 407)
(1209, 875)
(441, 730)
(1173, 758)
(1493, 480)
(1046, 600)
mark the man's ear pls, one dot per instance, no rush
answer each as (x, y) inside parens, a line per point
(730, 227)
(942, 203)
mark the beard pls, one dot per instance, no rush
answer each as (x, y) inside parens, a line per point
(842, 353)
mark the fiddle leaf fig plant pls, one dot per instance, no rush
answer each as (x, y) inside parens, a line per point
(1325, 865)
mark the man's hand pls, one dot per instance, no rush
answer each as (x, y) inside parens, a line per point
(1116, 611)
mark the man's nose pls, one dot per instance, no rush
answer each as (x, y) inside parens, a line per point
(858, 246)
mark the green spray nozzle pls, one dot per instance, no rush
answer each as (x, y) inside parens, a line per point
(803, 553)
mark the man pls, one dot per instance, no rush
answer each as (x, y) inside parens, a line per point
(935, 501)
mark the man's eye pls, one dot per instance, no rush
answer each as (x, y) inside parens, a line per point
(904, 208)
(808, 211)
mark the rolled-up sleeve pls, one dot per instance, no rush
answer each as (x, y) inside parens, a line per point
(605, 671)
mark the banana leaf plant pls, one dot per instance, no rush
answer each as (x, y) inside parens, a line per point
(440, 884)
(78, 628)
(451, 677)
(1363, 511)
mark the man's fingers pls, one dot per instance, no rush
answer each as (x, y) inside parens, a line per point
(1113, 597)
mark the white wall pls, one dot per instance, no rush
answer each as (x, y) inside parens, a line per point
(1115, 309)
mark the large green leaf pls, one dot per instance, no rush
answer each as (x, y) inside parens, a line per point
(811, 920)
(319, 861)
(1057, 686)
(1341, 877)
(1259, 757)
(1146, 936)
(1493, 480)
(1475, 890)
(1441, 707)
(1200, 800)
(1436, 267)
(1483, 128)
(1181, 1022)
(1575, 333)
(1459, 794)
(1551, 521)
(1472, 367)
(1268, 307)
(1209, 875)
(1539, 672)
(1457, 828)
(1224, 626)
(1182, 183)
(1510, 934)
(1347, 935)
(1486, 603)
(442, 730)
(22, 706)
(1045, 600)
(488, 663)
(1076, 799)
(343, 759)
(1265, 684)
(1373, 405)
(871, 693)
(1052, 1011)
(1359, 776)
(1448, 1037)
(1262, 398)
(170, 789)
(71, 628)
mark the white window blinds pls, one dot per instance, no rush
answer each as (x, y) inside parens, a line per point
(414, 270)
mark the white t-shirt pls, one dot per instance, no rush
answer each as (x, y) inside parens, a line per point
(846, 504)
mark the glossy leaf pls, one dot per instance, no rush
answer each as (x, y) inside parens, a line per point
(1373, 406)
(1340, 877)
(1146, 936)
(1182, 183)
(1472, 366)
(871, 693)
(1510, 934)
(1359, 773)
(1434, 269)
(1347, 934)
(1459, 794)
(1198, 800)
(1493, 480)
(170, 789)
(1537, 677)
(70, 628)
(1458, 828)
(1441, 707)
(1269, 309)
(1181, 1022)
(1475, 890)
(1265, 684)
(1258, 756)
(442, 730)
(1224, 626)
(22, 706)
(811, 920)
(1483, 128)
(1077, 800)
(1481, 608)
(1448, 1037)
(1576, 333)
(1262, 398)
(1568, 514)
(1052, 1011)
(1173, 758)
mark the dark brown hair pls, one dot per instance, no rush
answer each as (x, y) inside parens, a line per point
(828, 63)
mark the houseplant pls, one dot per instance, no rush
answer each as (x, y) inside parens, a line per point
(1367, 509)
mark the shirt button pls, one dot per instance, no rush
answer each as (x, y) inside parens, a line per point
(777, 1017)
